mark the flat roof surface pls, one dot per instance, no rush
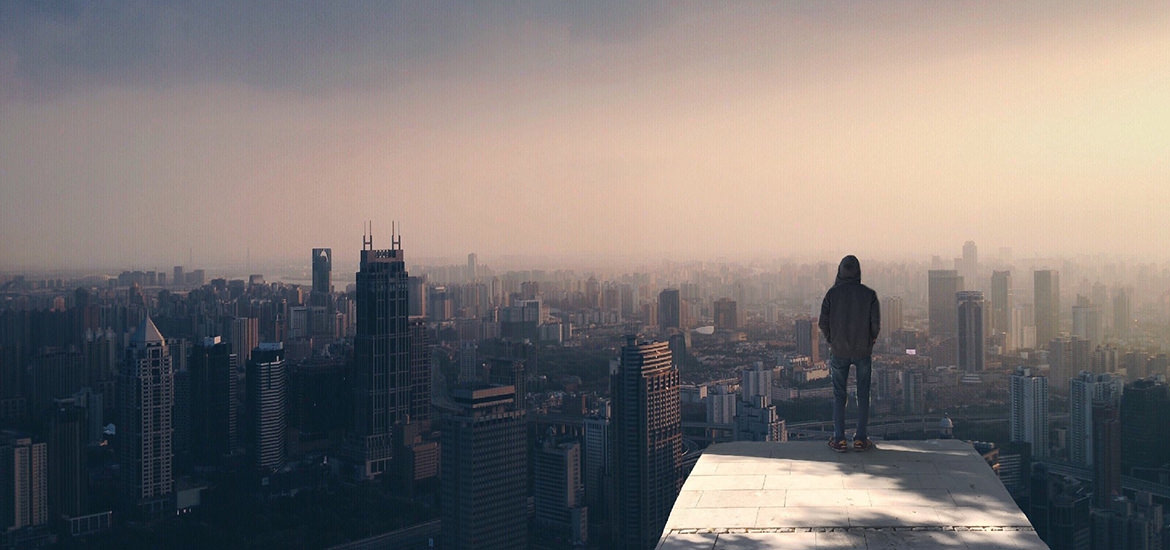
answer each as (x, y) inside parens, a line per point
(801, 494)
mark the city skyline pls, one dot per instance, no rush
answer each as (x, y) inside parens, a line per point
(241, 133)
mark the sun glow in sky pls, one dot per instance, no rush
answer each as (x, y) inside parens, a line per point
(133, 134)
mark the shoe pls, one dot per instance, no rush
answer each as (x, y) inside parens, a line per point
(838, 445)
(862, 444)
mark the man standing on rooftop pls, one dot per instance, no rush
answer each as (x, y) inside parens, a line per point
(850, 320)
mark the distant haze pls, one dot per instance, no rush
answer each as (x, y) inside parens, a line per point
(142, 134)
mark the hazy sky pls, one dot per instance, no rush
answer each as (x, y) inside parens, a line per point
(131, 133)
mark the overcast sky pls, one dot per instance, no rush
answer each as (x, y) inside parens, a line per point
(133, 133)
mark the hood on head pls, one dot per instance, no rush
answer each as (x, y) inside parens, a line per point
(849, 271)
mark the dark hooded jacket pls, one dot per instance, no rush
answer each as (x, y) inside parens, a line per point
(850, 314)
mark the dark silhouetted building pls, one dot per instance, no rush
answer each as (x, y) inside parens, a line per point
(808, 339)
(484, 471)
(669, 309)
(214, 409)
(1106, 452)
(1001, 302)
(1145, 406)
(381, 356)
(267, 403)
(68, 478)
(146, 400)
(1047, 300)
(322, 273)
(970, 337)
(647, 442)
(420, 371)
(942, 285)
(559, 495)
(726, 314)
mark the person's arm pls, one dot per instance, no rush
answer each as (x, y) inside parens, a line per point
(823, 322)
(875, 319)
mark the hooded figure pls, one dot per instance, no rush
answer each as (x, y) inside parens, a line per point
(850, 320)
(850, 314)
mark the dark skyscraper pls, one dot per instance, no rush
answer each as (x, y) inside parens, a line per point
(808, 339)
(1001, 301)
(267, 390)
(146, 400)
(484, 471)
(420, 371)
(970, 312)
(943, 284)
(68, 480)
(381, 355)
(669, 309)
(214, 412)
(1047, 300)
(1145, 406)
(647, 444)
(322, 270)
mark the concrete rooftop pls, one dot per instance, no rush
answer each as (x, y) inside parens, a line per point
(800, 494)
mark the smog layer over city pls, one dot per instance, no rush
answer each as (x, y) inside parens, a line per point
(543, 275)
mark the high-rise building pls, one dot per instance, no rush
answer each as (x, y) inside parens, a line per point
(1128, 524)
(558, 494)
(808, 339)
(1106, 452)
(472, 267)
(1047, 300)
(68, 478)
(1001, 301)
(726, 314)
(942, 285)
(913, 392)
(381, 351)
(1085, 390)
(971, 351)
(969, 267)
(1122, 314)
(484, 470)
(215, 429)
(721, 405)
(756, 420)
(1066, 358)
(755, 381)
(322, 271)
(1145, 406)
(146, 401)
(1028, 422)
(892, 319)
(267, 390)
(1086, 318)
(669, 309)
(245, 335)
(24, 480)
(420, 371)
(647, 442)
(596, 457)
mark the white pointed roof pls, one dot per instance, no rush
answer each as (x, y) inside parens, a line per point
(147, 333)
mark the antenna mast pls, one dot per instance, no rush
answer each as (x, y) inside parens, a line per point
(368, 236)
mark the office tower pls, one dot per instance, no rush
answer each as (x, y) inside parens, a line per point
(1122, 316)
(755, 381)
(808, 340)
(472, 267)
(726, 314)
(1085, 390)
(969, 268)
(558, 495)
(1067, 506)
(214, 408)
(1128, 524)
(647, 444)
(65, 451)
(721, 405)
(416, 290)
(54, 374)
(592, 293)
(757, 420)
(146, 401)
(322, 272)
(1145, 406)
(94, 404)
(245, 335)
(1028, 422)
(1047, 300)
(597, 459)
(942, 285)
(381, 351)
(1086, 319)
(420, 371)
(484, 470)
(1106, 452)
(1066, 358)
(971, 353)
(892, 320)
(1001, 301)
(24, 498)
(1015, 464)
(267, 390)
(179, 279)
(669, 309)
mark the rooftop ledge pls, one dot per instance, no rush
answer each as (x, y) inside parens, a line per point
(801, 494)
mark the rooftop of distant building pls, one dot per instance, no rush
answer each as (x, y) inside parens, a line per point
(800, 494)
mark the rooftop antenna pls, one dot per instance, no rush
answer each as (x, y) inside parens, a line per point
(395, 238)
(368, 236)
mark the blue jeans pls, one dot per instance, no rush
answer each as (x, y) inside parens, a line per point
(839, 370)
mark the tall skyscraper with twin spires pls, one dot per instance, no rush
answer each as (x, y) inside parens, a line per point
(381, 355)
